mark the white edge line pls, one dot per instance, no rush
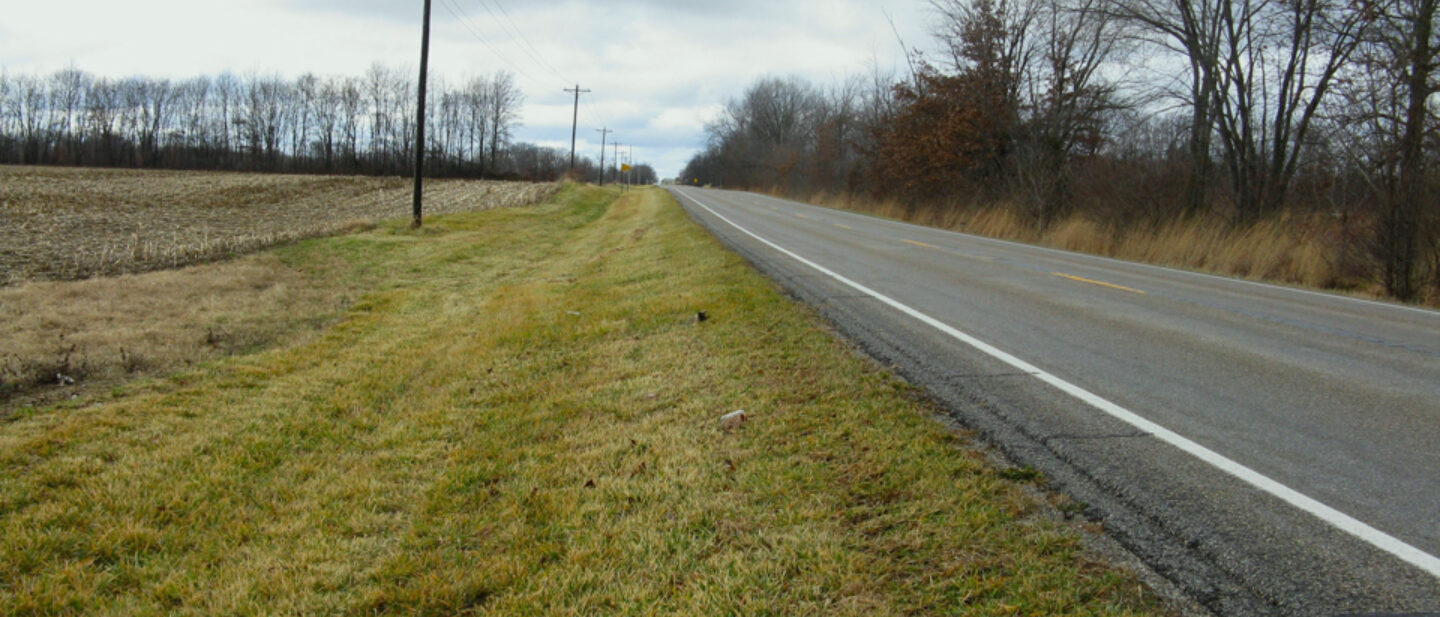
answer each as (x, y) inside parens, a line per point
(1379, 539)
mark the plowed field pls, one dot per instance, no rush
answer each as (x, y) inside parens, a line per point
(67, 223)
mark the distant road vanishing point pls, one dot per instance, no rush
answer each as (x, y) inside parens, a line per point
(1272, 451)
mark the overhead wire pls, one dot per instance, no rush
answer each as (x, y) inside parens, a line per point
(459, 13)
(523, 44)
(518, 37)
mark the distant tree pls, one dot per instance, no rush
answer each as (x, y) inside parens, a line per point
(30, 109)
(348, 95)
(68, 89)
(228, 123)
(642, 173)
(102, 119)
(266, 122)
(192, 98)
(307, 93)
(502, 112)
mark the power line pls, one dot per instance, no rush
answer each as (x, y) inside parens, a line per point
(617, 160)
(529, 51)
(464, 19)
(518, 36)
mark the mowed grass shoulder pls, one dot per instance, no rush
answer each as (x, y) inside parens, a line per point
(520, 417)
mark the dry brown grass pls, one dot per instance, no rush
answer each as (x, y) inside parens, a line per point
(1315, 251)
(72, 223)
(1307, 250)
(66, 339)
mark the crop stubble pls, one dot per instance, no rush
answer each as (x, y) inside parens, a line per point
(73, 223)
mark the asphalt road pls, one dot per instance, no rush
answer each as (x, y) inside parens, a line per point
(1271, 451)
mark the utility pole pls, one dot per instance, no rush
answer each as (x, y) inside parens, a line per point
(574, 122)
(420, 115)
(630, 175)
(616, 144)
(603, 132)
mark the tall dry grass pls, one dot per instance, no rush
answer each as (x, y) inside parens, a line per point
(1302, 250)
(63, 339)
(1311, 250)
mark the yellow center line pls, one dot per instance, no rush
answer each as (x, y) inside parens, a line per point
(843, 226)
(801, 216)
(1100, 283)
(928, 246)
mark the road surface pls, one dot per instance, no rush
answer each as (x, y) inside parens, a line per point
(1271, 451)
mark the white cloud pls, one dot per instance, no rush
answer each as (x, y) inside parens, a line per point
(684, 118)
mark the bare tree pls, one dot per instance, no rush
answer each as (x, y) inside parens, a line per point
(153, 116)
(30, 109)
(1070, 100)
(68, 88)
(335, 124)
(8, 123)
(476, 97)
(264, 115)
(502, 111)
(307, 96)
(101, 118)
(1191, 30)
(1385, 121)
(228, 121)
(1259, 70)
(192, 97)
(1279, 61)
(328, 114)
(351, 106)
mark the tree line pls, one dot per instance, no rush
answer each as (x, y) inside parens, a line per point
(254, 122)
(1128, 112)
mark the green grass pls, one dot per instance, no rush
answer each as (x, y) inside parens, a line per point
(519, 415)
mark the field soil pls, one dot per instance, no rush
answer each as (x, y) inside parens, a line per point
(60, 223)
(519, 414)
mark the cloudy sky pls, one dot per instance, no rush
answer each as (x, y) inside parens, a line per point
(658, 69)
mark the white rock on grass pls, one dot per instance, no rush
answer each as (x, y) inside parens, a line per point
(733, 420)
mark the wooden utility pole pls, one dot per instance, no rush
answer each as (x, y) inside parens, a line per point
(574, 122)
(603, 132)
(615, 145)
(420, 115)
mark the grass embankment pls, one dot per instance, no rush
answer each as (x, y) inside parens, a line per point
(520, 417)
(1316, 251)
